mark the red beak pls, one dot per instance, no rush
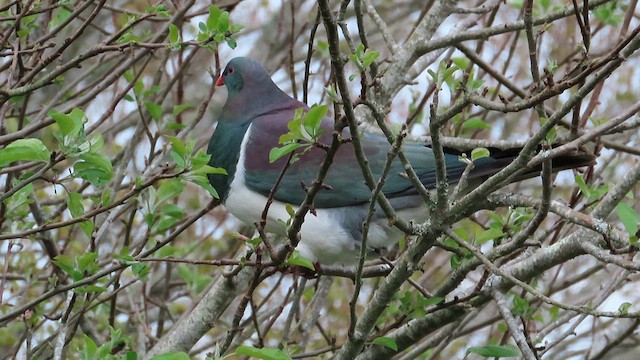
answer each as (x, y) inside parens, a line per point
(220, 81)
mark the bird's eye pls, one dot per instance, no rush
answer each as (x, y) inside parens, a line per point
(230, 70)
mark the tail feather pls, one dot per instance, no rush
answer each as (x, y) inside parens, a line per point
(499, 159)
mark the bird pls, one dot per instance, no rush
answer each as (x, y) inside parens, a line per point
(256, 114)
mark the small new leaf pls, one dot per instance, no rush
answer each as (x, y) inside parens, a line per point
(70, 124)
(263, 353)
(277, 153)
(489, 234)
(172, 356)
(174, 34)
(624, 308)
(386, 341)
(494, 351)
(298, 260)
(479, 153)
(24, 150)
(473, 124)
(629, 217)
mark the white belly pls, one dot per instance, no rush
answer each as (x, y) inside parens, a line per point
(322, 237)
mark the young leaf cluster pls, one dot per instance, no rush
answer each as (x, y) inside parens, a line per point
(216, 30)
(194, 164)
(362, 58)
(305, 130)
(90, 163)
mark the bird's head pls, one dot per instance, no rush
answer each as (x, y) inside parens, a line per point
(241, 73)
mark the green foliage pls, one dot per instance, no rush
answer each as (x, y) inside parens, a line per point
(609, 13)
(18, 203)
(77, 267)
(496, 351)
(94, 167)
(91, 164)
(472, 124)
(387, 342)
(489, 234)
(444, 75)
(139, 269)
(194, 164)
(298, 260)
(172, 356)
(217, 29)
(195, 282)
(24, 150)
(592, 192)
(263, 353)
(363, 58)
(553, 132)
(479, 153)
(624, 308)
(522, 308)
(630, 219)
(91, 351)
(305, 130)
(159, 10)
(474, 84)
(60, 14)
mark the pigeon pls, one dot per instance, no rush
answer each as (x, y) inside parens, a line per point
(256, 114)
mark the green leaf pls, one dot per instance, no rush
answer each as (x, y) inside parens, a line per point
(474, 123)
(489, 234)
(460, 62)
(629, 217)
(223, 22)
(172, 356)
(87, 262)
(70, 124)
(206, 169)
(583, 185)
(90, 289)
(624, 307)
(298, 260)
(123, 256)
(232, 42)
(494, 351)
(479, 153)
(278, 152)
(386, 341)
(174, 34)
(24, 150)
(313, 120)
(178, 146)
(264, 353)
(90, 349)
(369, 57)
(95, 168)
(19, 198)
(178, 159)
(455, 261)
(64, 262)
(521, 307)
(154, 110)
(195, 281)
(212, 20)
(434, 300)
(178, 109)
(169, 189)
(74, 203)
(141, 271)
(204, 183)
